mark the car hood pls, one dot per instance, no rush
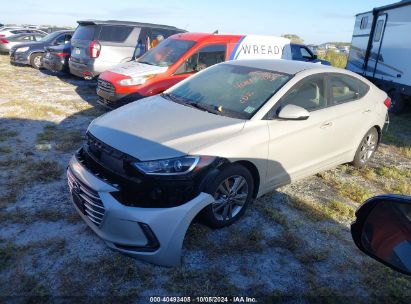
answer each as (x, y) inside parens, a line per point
(136, 69)
(32, 45)
(156, 128)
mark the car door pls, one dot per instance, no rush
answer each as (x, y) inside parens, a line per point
(205, 56)
(350, 114)
(301, 147)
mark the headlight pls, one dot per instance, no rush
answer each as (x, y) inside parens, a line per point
(134, 81)
(173, 166)
(23, 49)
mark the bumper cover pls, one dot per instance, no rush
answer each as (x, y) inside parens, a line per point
(54, 64)
(125, 228)
(82, 70)
(115, 100)
(20, 58)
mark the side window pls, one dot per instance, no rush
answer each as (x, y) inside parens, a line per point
(364, 22)
(26, 38)
(59, 40)
(156, 36)
(308, 93)
(378, 30)
(67, 37)
(37, 37)
(346, 88)
(305, 53)
(117, 33)
(205, 57)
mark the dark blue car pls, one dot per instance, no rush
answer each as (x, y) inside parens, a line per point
(32, 53)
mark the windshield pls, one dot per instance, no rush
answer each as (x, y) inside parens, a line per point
(50, 36)
(229, 90)
(167, 52)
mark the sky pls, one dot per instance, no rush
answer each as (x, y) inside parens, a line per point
(314, 21)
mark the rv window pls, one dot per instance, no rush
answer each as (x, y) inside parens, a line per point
(364, 22)
(378, 30)
(346, 88)
(207, 56)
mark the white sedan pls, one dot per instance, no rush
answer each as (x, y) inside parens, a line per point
(214, 142)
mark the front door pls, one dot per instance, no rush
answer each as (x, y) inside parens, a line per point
(298, 148)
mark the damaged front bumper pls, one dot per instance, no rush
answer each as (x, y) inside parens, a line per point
(155, 235)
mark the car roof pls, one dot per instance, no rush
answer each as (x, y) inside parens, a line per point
(131, 23)
(202, 36)
(282, 65)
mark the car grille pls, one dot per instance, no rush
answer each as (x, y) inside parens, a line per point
(86, 199)
(106, 86)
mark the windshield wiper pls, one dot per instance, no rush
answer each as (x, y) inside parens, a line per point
(145, 62)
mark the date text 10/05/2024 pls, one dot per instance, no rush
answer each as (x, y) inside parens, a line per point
(203, 300)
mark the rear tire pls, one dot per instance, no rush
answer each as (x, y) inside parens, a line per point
(366, 149)
(232, 190)
(35, 60)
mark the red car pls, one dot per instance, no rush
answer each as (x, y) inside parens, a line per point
(178, 57)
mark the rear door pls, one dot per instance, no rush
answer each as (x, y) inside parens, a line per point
(377, 38)
(80, 42)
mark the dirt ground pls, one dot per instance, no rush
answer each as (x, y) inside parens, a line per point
(293, 245)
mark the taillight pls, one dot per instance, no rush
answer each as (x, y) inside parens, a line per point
(61, 54)
(4, 41)
(94, 49)
(387, 102)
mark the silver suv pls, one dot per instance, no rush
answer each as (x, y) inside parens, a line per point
(99, 45)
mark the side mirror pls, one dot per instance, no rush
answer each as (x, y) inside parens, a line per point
(382, 230)
(315, 57)
(293, 112)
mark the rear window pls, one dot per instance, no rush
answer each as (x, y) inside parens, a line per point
(84, 32)
(117, 33)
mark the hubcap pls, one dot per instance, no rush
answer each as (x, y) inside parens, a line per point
(368, 147)
(37, 61)
(230, 197)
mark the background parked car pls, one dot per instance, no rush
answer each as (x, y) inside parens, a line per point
(7, 43)
(56, 57)
(32, 53)
(10, 31)
(301, 52)
(100, 45)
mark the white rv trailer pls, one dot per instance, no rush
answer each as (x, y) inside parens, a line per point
(381, 50)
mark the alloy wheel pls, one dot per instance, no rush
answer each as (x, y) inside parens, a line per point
(368, 147)
(37, 61)
(230, 197)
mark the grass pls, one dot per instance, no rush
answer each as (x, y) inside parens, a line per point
(25, 172)
(208, 282)
(65, 140)
(6, 134)
(350, 190)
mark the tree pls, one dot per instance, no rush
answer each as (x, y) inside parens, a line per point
(294, 38)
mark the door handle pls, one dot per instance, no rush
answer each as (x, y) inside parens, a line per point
(326, 125)
(366, 111)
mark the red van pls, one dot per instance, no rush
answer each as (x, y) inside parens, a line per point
(178, 57)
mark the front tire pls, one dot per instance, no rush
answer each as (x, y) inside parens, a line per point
(367, 148)
(35, 60)
(232, 190)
